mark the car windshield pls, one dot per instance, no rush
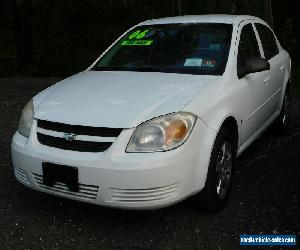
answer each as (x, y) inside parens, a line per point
(174, 48)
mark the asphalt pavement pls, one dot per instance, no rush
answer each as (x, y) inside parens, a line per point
(265, 199)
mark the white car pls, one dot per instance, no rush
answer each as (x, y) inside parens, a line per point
(160, 116)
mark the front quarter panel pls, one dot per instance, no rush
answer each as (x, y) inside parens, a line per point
(222, 100)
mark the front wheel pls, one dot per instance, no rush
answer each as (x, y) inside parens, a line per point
(220, 172)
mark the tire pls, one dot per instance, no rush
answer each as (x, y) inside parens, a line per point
(220, 172)
(281, 123)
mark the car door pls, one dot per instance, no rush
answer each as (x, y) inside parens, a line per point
(277, 67)
(255, 90)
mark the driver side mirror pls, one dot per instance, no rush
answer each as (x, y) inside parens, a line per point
(253, 65)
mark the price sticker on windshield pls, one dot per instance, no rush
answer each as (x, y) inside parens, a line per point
(137, 42)
(136, 39)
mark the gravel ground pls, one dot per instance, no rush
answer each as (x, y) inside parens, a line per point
(265, 199)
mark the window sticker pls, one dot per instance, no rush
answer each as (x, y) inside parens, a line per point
(137, 42)
(134, 39)
(138, 34)
(193, 62)
(209, 63)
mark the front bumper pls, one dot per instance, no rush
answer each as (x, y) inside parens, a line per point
(116, 178)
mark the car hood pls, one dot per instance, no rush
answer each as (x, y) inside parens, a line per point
(117, 99)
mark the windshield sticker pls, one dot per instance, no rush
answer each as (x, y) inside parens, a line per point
(209, 63)
(137, 42)
(193, 62)
(134, 39)
(138, 34)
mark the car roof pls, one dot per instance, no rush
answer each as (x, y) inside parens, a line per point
(213, 18)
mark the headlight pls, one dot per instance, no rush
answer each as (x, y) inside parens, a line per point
(163, 133)
(26, 119)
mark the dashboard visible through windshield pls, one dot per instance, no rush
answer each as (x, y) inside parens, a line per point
(175, 48)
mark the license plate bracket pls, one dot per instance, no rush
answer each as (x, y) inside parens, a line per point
(60, 173)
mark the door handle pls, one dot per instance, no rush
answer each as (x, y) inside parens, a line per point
(282, 68)
(267, 80)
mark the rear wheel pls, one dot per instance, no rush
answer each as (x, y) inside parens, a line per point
(220, 172)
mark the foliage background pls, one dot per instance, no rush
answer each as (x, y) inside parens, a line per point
(62, 37)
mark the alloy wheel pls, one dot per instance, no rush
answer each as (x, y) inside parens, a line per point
(224, 169)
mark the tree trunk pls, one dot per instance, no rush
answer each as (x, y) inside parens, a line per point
(23, 34)
(268, 13)
(233, 7)
(179, 7)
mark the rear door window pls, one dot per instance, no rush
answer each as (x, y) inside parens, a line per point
(268, 41)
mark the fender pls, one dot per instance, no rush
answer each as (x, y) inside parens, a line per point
(287, 78)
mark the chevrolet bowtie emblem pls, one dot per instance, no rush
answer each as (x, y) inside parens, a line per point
(69, 137)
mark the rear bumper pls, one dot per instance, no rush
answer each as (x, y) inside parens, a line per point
(116, 178)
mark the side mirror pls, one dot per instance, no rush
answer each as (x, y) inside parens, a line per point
(253, 65)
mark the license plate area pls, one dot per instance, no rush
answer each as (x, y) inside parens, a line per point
(60, 173)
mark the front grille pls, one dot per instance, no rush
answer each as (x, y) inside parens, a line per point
(80, 146)
(144, 195)
(93, 139)
(85, 191)
(79, 130)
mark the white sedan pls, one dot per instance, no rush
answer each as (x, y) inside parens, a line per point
(160, 116)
